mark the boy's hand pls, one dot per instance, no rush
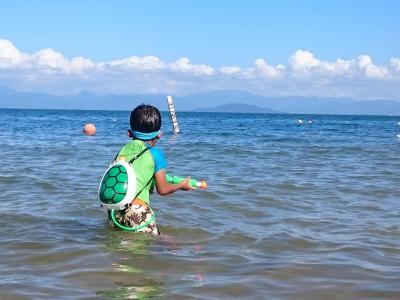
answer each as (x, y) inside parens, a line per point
(185, 185)
(165, 188)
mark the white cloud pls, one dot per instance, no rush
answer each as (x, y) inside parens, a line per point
(183, 65)
(10, 56)
(137, 64)
(230, 70)
(45, 60)
(395, 64)
(50, 71)
(305, 63)
(303, 60)
(370, 69)
(339, 67)
(48, 58)
(50, 61)
(266, 70)
(79, 64)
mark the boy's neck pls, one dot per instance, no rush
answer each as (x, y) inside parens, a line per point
(151, 142)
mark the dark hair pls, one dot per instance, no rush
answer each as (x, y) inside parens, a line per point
(145, 118)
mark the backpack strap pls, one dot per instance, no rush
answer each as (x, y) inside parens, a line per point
(151, 178)
(148, 182)
(134, 158)
(137, 156)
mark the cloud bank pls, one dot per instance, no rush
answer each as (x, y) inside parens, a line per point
(302, 75)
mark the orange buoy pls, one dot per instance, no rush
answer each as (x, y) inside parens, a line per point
(89, 129)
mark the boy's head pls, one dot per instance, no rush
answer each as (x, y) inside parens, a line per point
(145, 122)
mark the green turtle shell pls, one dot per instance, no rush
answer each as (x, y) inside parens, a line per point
(118, 186)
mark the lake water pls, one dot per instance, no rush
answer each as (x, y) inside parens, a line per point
(292, 211)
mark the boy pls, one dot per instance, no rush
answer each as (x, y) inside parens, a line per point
(145, 122)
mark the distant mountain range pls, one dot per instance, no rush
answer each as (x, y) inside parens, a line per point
(298, 105)
(221, 101)
(239, 107)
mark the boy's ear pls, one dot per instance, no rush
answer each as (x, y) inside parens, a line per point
(159, 135)
(130, 133)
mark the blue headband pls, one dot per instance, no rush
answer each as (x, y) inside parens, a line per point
(145, 136)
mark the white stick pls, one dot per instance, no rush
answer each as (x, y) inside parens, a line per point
(172, 113)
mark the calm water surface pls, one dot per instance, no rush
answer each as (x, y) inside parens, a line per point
(292, 212)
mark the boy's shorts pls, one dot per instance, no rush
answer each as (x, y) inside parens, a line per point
(137, 215)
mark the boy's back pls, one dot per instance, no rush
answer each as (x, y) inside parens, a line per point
(143, 166)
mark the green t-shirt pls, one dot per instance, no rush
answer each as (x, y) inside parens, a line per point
(143, 166)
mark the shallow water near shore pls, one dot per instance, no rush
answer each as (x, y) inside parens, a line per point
(292, 211)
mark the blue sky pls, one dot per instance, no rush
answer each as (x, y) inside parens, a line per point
(214, 34)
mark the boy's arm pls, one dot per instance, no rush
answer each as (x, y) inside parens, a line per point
(165, 188)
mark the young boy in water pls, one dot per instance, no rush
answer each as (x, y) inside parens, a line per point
(145, 122)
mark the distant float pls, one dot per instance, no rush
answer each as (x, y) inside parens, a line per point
(303, 122)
